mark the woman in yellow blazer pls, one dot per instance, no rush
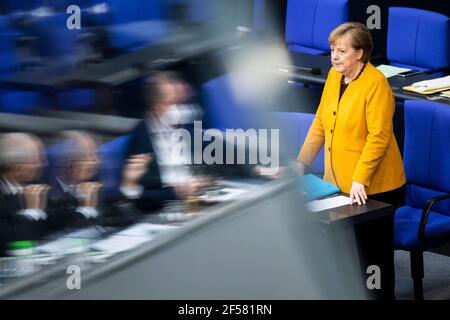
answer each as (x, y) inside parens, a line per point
(354, 123)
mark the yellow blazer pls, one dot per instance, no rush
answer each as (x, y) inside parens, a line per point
(357, 134)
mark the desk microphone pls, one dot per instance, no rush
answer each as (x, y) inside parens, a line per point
(285, 68)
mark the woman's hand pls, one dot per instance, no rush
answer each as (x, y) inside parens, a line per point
(358, 193)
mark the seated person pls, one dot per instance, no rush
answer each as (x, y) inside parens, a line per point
(23, 203)
(167, 177)
(74, 190)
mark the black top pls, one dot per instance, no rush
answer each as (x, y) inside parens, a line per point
(345, 85)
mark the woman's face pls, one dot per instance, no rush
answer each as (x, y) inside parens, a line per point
(344, 58)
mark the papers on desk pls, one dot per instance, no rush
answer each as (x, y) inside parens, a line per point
(63, 246)
(221, 195)
(116, 243)
(446, 94)
(328, 203)
(430, 86)
(433, 83)
(145, 230)
(83, 240)
(86, 233)
(74, 242)
(131, 237)
(390, 71)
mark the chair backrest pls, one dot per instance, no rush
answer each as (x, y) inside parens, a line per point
(427, 153)
(294, 127)
(8, 50)
(310, 22)
(124, 11)
(112, 155)
(195, 11)
(21, 102)
(13, 101)
(418, 39)
(224, 105)
(21, 5)
(56, 40)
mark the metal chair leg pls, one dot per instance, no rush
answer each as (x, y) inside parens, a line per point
(417, 273)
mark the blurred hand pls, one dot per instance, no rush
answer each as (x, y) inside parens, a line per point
(269, 172)
(184, 190)
(35, 196)
(87, 194)
(193, 186)
(358, 193)
(202, 182)
(301, 167)
(136, 166)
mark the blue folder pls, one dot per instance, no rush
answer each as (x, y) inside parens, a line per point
(314, 187)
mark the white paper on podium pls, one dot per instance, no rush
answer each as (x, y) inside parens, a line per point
(145, 230)
(116, 243)
(131, 237)
(63, 246)
(222, 195)
(327, 203)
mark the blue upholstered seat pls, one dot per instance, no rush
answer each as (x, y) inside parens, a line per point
(112, 155)
(426, 161)
(137, 23)
(418, 39)
(310, 22)
(13, 101)
(294, 127)
(224, 104)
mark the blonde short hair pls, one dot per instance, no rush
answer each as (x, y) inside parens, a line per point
(359, 35)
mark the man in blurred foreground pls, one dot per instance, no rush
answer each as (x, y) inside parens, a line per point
(23, 203)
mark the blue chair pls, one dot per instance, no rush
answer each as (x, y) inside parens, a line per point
(424, 221)
(64, 46)
(112, 155)
(310, 22)
(12, 6)
(137, 23)
(223, 105)
(294, 127)
(194, 11)
(418, 39)
(14, 101)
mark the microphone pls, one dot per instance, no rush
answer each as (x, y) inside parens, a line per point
(285, 68)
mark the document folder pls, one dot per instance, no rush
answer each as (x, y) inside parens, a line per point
(314, 187)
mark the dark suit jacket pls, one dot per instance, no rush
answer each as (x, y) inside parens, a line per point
(154, 193)
(16, 227)
(62, 207)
